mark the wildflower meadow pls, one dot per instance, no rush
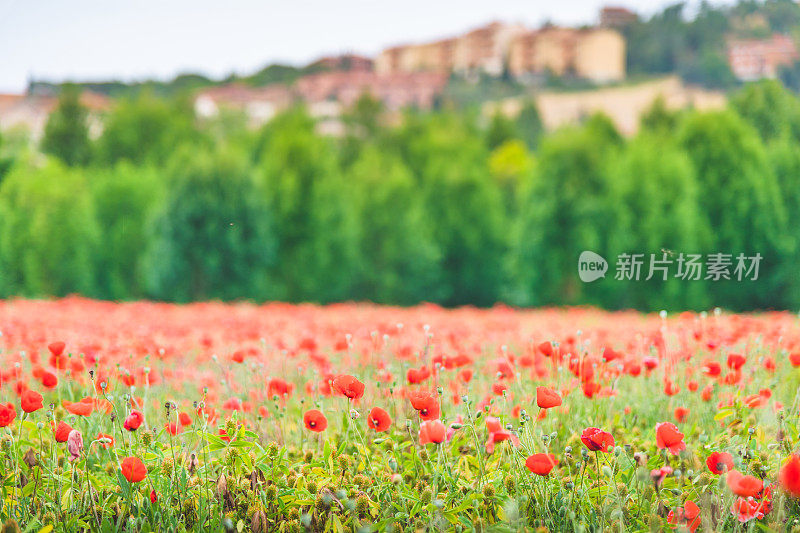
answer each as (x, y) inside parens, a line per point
(353, 417)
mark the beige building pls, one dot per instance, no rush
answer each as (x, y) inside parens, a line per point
(597, 54)
(396, 91)
(259, 105)
(624, 105)
(753, 59)
(480, 50)
(29, 112)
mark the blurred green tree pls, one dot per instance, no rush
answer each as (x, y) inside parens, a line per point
(741, 200)
(529, 124)
(770, 108)
(401, 262)
(464, 207)
(125, 197)
(48, 233)
(655, 183)
(146, 129)
(658, 119)
(501, 129)
(316, 226)
(784, 159)
(213, 235)
(6, 161)
(510, 166)
(362, 128)
(567, 208)
(66, 134)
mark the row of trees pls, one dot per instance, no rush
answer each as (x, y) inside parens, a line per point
(446, 207)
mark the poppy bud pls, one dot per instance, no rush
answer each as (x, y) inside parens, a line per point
(258, 522)
(222, 486)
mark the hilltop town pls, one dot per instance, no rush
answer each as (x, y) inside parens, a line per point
(568, 72)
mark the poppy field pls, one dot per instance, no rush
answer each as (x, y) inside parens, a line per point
(353, 417)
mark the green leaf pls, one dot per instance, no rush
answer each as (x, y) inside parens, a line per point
(723, 414)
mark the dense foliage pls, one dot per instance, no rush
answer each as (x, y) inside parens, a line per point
(357, 418)
(448, 207)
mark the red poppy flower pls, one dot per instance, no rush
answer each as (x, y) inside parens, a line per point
(541, 463)
(172, 428)
(681, 414)
(719, 462)
(232, 404)
(596, 439)
(493, 424)
(708, 391)
(348, 386)
(431, 431)
(133, 421)
(668, 436)
(62, 431)
(650, 362)
(426, 404)
(31, 401)
(185, 419)
(659, 474)
(379, 420)
(789, 476)
(504, 368)
(418, 375)
(56, 348)
(689, 515)
(754, 401)
(49, 380)
(133, 469)
(670, 388)
(500, 435)
(691, 511)
(794, 358)
(743, 485)
(547, 398)
(498, 388)
(745, 510)
(106, 444)
(280, 387)
(736, 361)
(632, 368)
(315, 420)
(7, 414)
(153, 496)
(610, 355)
(546, 349)
(85, 407)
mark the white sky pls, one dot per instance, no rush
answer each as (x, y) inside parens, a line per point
(136, 39)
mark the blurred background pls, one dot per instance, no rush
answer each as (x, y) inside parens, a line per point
(463, 155)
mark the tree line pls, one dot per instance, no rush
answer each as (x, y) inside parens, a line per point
(448, 207)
